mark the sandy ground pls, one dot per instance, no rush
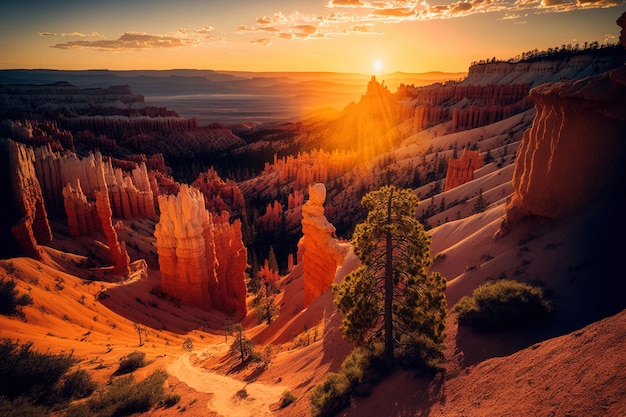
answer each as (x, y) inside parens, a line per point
(240, 398)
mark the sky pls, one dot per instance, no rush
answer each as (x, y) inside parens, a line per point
(358, 36)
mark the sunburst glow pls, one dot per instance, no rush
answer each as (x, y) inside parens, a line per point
(378, 66)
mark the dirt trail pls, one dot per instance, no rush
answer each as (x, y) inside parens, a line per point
(232, 397)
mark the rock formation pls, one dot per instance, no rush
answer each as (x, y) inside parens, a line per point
(32, 227)
(230, 264)
(542, 71)
(575, 150)
(117, 250)
(82, 217)
(202, 261)
(318, 250)
(219, 195)
(131, 194)
(467, 106)
(462, 170)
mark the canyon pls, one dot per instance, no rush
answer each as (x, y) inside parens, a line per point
(182, 241)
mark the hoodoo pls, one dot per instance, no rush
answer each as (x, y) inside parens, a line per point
(202, 259)
(319, 251)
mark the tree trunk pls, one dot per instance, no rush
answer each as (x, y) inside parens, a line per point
(388, 312)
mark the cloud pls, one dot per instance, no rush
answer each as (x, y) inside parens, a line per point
(306, 29)
(262, 41)
(395, 12)
(345, 3)
(359, 17)
(129, 41)
(72, 34)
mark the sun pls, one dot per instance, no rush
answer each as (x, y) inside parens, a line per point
(378, 65)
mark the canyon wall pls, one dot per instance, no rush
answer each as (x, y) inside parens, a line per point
(319, 251)
(201, 257)
(466, 106)
(32, 227)
(131, 193)
(575, 66)
(575, 150)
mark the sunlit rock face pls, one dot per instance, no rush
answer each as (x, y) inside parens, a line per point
(202, 258)
(117, 250)
(462, 170)
(465, 106)
(32, 227)
(131, 194)
(575, 150)
(318, 250)
(219, 195)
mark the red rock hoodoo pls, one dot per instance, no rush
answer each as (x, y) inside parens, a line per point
(32, 228)
(119, 256)
(462, 170)
(319, 251)
(202, 258)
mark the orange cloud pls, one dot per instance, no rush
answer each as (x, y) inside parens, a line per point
(262, 41)
(129, 41)
(345, 3)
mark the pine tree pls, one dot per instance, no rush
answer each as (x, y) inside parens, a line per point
(393, 297)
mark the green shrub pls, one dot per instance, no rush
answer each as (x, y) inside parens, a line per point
(358, 372)
(77, 384)
(131, 362)
(418, 351)
(503, 304)
(27, 373)
(286, 399)
(331, 396)
(124, 397)
(11, 301)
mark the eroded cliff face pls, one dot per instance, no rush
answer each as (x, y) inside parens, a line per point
(462, 170)
(318, 250)
(465, 106)
(575, 150)
(117, 249)
(202, 259)
(131, 193)
(32, 227)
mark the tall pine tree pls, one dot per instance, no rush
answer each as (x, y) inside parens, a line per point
(393, 297)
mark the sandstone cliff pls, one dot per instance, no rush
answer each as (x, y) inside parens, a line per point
(575, 150)
(462, 170)
(202, 259)
(319, 252)
(576, 66)
(32, 227)
(466, 106)
(131, 194)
